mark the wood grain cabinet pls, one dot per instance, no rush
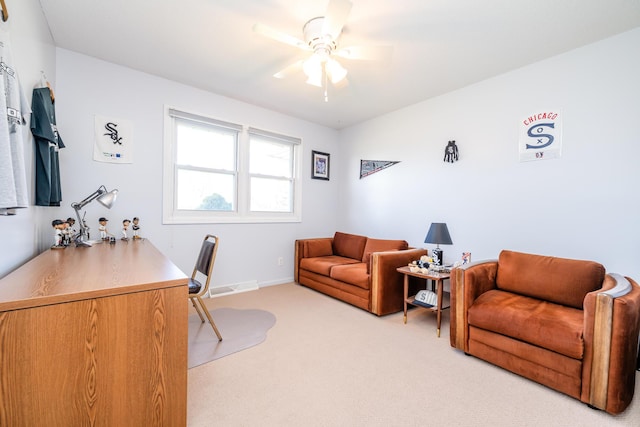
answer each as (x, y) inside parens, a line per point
(94, 336)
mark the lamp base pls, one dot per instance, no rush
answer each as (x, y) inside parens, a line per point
(80, 242)
(436, 254)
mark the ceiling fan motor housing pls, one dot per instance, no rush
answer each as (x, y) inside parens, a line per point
(321, 44)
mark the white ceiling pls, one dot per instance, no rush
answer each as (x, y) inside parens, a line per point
(438, 45)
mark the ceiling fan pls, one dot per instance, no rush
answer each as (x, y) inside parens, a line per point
(321, 38)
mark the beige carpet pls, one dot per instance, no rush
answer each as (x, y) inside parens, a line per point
(326, 363)
(240, 329)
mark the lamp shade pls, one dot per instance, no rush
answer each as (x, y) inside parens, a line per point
(439, 234)
(108, 199)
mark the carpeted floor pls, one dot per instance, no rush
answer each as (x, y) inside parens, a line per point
(326, 363)
(240, 329)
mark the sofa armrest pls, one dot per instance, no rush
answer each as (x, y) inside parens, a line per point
(305, 248)
(612, 325)
(386, 283)
(468, 282)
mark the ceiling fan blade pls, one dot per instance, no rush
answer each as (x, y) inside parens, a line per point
(279, 36)
(335, 17)
(291, 69)
(367, 53)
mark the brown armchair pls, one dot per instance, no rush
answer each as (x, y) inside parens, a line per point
(560, 322)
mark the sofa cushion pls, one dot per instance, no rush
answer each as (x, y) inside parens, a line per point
(349, 245)
(380, 245)
(322, 265)
(354, 274)
(541, 323)
(317, 247)
(560, 280)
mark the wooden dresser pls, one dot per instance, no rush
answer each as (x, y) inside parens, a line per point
(94, 336)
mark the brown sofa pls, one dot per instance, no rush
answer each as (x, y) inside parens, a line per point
(560, 322)
(355, 269)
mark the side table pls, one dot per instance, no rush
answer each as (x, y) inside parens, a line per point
(437, 278)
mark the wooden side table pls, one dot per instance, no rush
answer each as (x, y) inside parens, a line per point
(437, 278)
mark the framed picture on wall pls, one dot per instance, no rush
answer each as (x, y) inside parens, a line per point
(319, 165)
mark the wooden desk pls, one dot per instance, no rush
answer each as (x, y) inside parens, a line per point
(94, 336)
(438, 278)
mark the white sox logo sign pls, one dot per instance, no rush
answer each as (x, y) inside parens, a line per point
(540, 136)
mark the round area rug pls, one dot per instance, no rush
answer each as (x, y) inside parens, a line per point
(240, 329)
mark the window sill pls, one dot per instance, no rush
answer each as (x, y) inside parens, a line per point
(230, 219)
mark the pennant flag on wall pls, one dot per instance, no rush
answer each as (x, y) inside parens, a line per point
(369, 167)
(113, 140)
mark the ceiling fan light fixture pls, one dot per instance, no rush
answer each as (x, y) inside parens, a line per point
(322, 38)
(312, 68)
(311, 65)
(336, 72)
(315, 80)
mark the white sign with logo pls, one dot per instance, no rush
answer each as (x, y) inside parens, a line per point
(540, 136)
(113, 140)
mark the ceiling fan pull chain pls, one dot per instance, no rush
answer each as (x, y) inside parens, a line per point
(326, 84)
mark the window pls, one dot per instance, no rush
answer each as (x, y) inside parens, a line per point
(270, 172)
(216, 171)
(205, 166)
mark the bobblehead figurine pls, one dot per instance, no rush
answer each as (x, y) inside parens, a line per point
(136, 228)
(66, 233)
(104, 234)
(125, 226)
(72, 230)
(57, 225)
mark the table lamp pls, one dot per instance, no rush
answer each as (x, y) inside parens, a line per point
(105, 198)
(438, 233)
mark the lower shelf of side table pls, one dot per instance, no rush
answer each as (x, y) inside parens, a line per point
(412, 301)
(437, 280)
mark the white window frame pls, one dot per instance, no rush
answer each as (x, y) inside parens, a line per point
(242, 214)
(278, 139)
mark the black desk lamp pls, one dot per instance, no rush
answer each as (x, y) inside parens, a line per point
(438, 233)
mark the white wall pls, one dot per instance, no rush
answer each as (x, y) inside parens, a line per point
(584, 205)
(33, 52)
(87, 87)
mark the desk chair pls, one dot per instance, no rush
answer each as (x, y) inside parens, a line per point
(204, 266)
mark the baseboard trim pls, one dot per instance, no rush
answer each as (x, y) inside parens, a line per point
(251, 285)
(276, 282)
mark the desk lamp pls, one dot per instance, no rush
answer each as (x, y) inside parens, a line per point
(105, 198)
(438, 233)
